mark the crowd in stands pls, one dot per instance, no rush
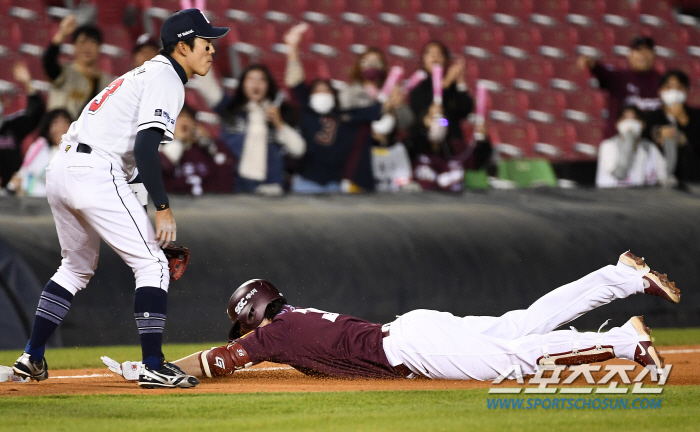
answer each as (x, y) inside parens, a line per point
(380, 127)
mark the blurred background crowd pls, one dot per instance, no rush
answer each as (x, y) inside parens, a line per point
(348, 96)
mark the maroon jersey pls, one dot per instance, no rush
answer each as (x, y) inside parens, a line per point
(321, 343)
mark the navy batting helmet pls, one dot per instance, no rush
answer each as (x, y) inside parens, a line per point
(247, 305)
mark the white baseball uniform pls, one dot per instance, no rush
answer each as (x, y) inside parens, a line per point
(88, 192)
(441, 345)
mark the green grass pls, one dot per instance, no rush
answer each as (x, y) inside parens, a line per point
(89, 357)
(422, 411)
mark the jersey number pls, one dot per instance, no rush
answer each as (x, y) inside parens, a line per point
(325, 315)
(106, 93)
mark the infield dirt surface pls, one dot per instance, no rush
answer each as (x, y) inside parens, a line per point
(270, 377)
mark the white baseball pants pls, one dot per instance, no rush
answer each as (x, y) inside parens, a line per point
(441, 345)
(90, 199)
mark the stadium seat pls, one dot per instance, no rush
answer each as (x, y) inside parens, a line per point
(521, 42)
(408, 41)
(585, 12)
(35, 35)
(324, 11)
(399, 12)
(514, 139)
(555, 141)
(549, 12)
(497, 73)
(559, 41)
(438, 13)
(623, 36)
(513, 12)
(247, 10)
(455, 37)
(10, 35)
(337, 68)
(117, 41)
(656, 13)
(585, 106)
(568, 76)
(362, 12)
(621, 12)
(596, 42)
(378, 36)
(694, 97)
(690, 66)
(533, 74)
(260, 35)
(32, 9)
(339, 36)
(588, 139)
(285, 11)
(484, 42)
(670, 41)
(475, 12)
(508, 106)
(546, 106)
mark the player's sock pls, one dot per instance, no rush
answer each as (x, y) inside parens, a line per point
(150, 307)
(53, 306)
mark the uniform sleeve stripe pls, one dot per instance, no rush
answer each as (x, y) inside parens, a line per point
(157, 122)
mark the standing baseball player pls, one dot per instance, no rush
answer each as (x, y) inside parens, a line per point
(115, 138)
(435, 344)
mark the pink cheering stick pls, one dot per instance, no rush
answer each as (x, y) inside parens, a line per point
(437, 84)
(481, 98)
(415, 79)
(395, 75)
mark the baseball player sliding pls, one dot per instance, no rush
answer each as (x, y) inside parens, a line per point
(429, 343)
(115, 139)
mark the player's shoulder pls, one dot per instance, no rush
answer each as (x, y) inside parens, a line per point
(158, 68)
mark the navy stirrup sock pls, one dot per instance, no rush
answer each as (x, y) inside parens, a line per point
(53, 306)
(150, 307)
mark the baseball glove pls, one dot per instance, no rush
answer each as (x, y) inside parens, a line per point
(178, 256)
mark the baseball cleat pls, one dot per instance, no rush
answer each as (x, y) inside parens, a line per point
(645, 354)
(27, 367)
(168, 376)
(655, 283)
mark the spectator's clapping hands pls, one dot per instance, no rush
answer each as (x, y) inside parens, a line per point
(274, 116)
(395, 100)
(455, 73)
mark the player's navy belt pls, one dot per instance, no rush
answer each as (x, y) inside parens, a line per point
(84, 148)
(401, 369)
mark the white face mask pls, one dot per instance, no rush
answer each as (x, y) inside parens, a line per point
(673, 96)
(438, 129)
(322, 103)
(385, 125)
(630, 127)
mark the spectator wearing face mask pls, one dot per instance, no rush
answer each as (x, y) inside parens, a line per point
(634, 86)
(627, 159)
(14, 127)
(30, 180)
(192, 162)
(676, 128)
(338, 153)
(75, 83)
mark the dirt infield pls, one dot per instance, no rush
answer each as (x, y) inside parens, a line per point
(270, 377)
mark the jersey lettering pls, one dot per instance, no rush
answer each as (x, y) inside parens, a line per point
(330, 316)
(106, 93)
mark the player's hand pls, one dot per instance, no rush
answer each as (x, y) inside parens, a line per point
(66, 28)
(166, 230)
(274, 116)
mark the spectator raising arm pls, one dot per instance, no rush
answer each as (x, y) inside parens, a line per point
(51, 65)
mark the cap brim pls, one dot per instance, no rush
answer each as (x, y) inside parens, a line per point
(214, 33)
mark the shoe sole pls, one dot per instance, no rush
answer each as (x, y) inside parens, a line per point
(23, 374)
(642, 329)
(631, 260)
(668, 287)
(156, 385)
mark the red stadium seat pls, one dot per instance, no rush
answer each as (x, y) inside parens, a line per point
(559, 41)
(373, 36)
(549, 12)
(484, 42)
(437, 12)
(337, 68)
(533, 74)
(36, 8)
(521, 42)
(623, 36)
(621, 12)
(324, 11)
(585, 12)
(10, 35)
(688, 65)
(247, 10)
(588, 139)
(596, 42)
(362, 11)
(656, 13)
(261, 35)
(36, 33)
(498, 72)
(455, 37)
(694, 98)
(475, 12)
(568, 76)
(117, 36)
(670, 41)
(515, 140)
(508, 106)
(339, 36)
(399, 12)
(547, 106)
(408, 41)
(555, 141)
(513, 12)
(285, 11)
(585, 106)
